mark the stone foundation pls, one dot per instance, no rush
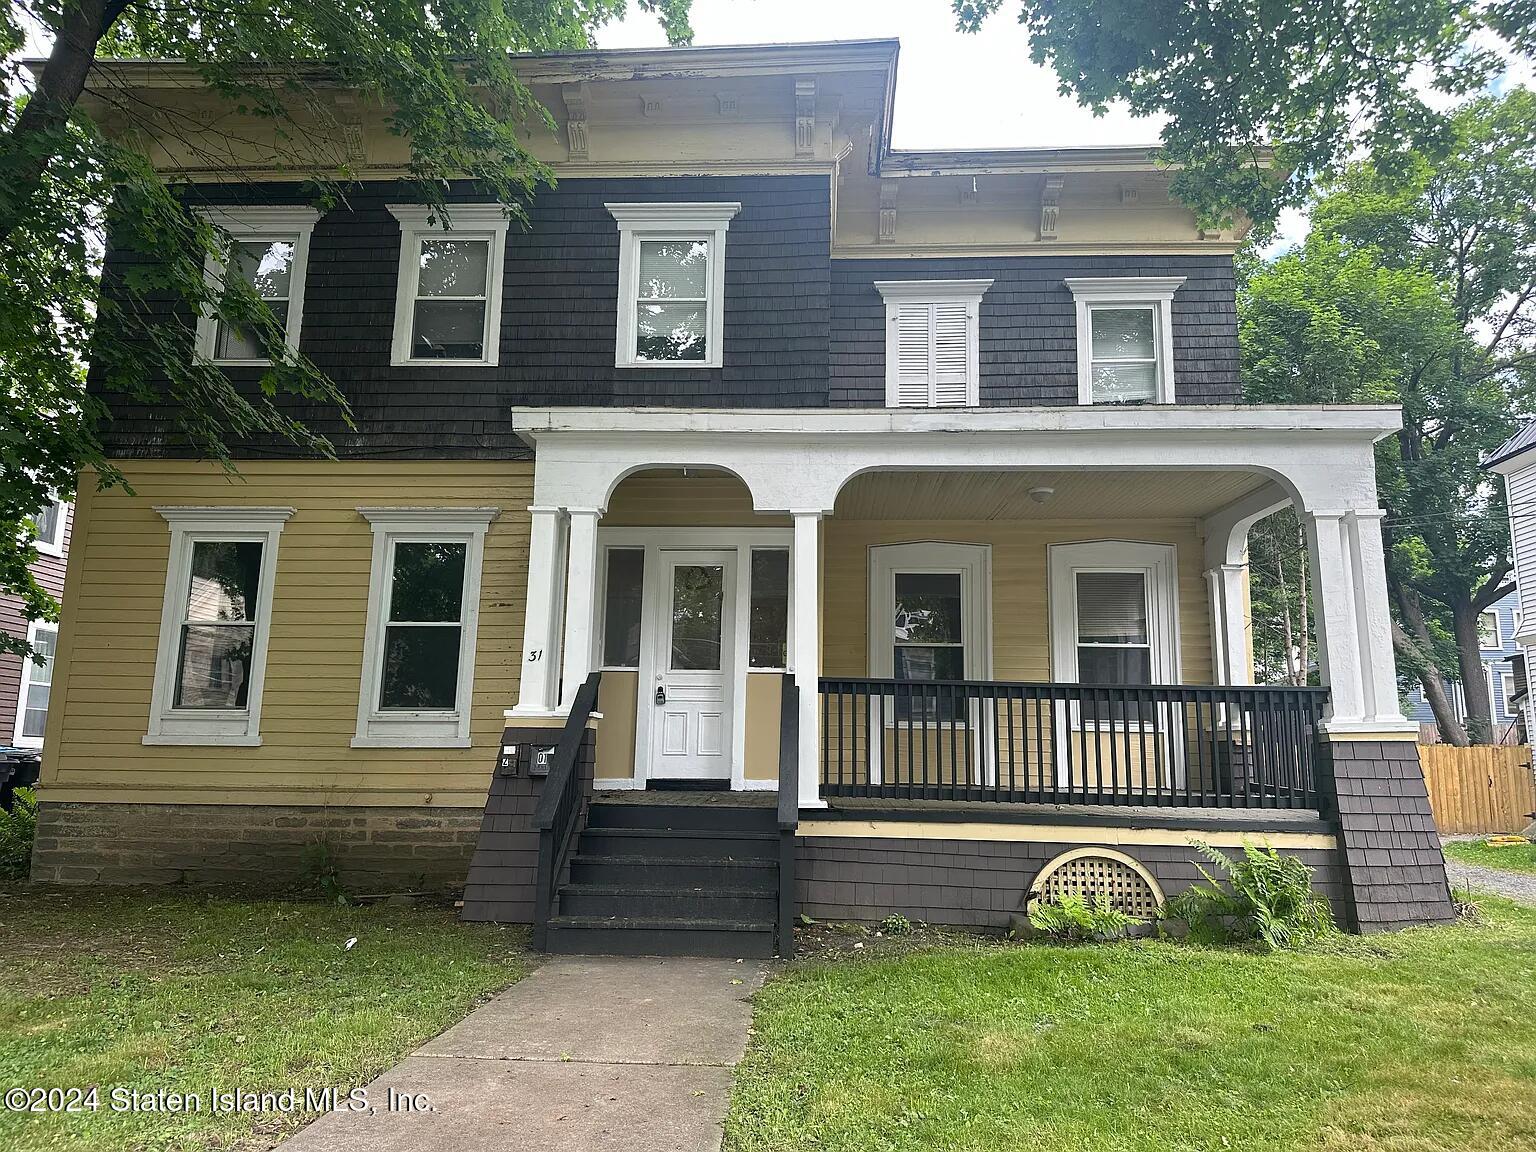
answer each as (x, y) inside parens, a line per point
(1392, 859)
(257, 847)
(980, 883)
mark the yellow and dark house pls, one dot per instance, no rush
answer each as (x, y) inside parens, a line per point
(777, 522)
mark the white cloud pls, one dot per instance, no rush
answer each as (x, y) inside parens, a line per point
(1290, 230)
(953, 90)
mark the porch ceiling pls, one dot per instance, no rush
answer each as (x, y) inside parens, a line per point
(996, 495)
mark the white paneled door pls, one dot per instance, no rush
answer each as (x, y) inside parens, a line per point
(691, 696)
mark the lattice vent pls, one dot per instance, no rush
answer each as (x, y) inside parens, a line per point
(1089, 876)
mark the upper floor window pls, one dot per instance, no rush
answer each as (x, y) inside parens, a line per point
(448, 307)
(48, 528)
(423, 613)
(1489, 634)
(671, 284)
(213, 628)
(1125, 339)
(269, 250)
(932, 330)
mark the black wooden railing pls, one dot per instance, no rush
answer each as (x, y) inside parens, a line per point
(789, 811)
(558, 815)
(975, 740)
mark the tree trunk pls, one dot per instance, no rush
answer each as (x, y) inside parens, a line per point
(1305, 614)
(1474, 681)
(1285, 606)
(1412, 640)
(26, 150)
(1440, 703)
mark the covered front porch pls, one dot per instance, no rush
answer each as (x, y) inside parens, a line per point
(1010, 606)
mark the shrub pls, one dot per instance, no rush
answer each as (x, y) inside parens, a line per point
(896, 925)
(1073, 917)
(17, 829)
(1263, 898)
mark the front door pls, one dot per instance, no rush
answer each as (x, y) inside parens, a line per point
(691, 728)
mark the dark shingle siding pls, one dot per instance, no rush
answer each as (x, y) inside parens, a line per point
(559, 309)
(1028, 325)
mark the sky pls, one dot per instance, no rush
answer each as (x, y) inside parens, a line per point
(953, 90)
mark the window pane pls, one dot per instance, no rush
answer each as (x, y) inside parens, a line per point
(670, 332)
(622, 607)
(214, 665)
(698, 594)
(1124, 383)
(34, 715)
(267, 265)
(674, 269)
(453, 267)
(225, 577)
(919, 663)
(429, 581)
(1114, 665)
(421, 668)
(449, 330)
(1488, 630)
(46, 522)
(1111, 608)
(927, 608)
(770, 608)
(233, 344)
(1122, 333)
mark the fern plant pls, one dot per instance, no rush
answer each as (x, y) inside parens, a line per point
(1262, 898)
(17, 830)
(1073, 917)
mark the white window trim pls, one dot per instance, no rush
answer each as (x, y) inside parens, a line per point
(1498, 630)
(28, 666)
(55, 547)
(967, 292)
(1093, 292)
(420, 222)
(1158, 563)
(973, 563)
(246, 225)
(601, 631)
(190, 524)
(424, 728)
(637, 222)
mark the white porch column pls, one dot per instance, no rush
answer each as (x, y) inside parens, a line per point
(538, 684)
(805, 577)
(1354, 627)
(1229, 624)
(580, 600)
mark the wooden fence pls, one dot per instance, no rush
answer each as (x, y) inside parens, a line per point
(1484, 789)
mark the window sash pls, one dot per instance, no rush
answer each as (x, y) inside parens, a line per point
(389, 624)
(281, 306)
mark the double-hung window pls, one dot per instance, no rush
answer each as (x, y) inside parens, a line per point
(1113, 619)
(48, 528)
(1489, 634)
(213, 626)
(268, 249)
(36, 683)
(423, 611)
(932, 330)
(671, 284)
(448, 308)
(1125, 339)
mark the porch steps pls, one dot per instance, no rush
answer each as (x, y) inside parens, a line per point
(670, 880)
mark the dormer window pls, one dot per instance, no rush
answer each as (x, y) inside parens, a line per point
(269, 250)
(671, 284)
(1125, 339)
(448, 307)
(932, 332)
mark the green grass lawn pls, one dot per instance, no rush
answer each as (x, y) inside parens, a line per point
(153, 990)
(1410, 1042)
(1511, 858)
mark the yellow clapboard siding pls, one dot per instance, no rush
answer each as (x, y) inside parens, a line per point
(117, 568)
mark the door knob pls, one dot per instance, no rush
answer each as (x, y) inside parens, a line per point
(661, 693)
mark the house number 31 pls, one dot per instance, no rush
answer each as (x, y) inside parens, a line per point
(535, 655)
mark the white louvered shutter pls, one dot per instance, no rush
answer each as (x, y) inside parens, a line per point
(931, 346)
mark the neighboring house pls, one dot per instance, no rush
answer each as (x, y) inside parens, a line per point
(1501, 654)
(912, 486)
(1515, 460)
(25, 684)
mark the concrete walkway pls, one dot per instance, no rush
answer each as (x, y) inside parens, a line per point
(587, 1054)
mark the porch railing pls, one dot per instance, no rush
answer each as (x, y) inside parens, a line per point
(978, 740)
(560, 814)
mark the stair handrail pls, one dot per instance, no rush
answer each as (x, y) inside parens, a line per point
(789, 811)
(557, 815)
